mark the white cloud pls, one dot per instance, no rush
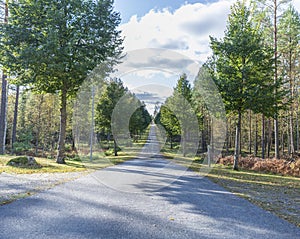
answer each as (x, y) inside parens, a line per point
(296, 4)
(185, 30)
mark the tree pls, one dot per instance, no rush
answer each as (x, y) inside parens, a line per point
(272, 7)
(168, 120)
(178, 116)
(139, 121)
(3, 108)
(288, 47)
(15, 120)
(243, 69)
(105, 106)
(57, 43)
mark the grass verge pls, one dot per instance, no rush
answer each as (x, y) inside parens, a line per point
(48, 166)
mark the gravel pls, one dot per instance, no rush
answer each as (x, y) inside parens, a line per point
(14, 186)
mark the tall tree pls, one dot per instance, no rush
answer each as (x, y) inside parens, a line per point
(177, 113)
(270, 10)
(289, 49)
(168, 120)
(3, 108)
(15, 119)
(105, 106)
(57, 43)
(139, 121)
(243, 69)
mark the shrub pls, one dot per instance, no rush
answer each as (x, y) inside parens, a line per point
(282, 166)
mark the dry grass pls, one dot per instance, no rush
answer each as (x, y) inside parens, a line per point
(282, 167)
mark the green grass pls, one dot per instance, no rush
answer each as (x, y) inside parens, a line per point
(79, 164)
(274, 193)
(48, 166)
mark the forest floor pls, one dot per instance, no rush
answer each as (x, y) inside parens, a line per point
(277, 194)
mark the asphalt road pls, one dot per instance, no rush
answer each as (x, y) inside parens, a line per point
(145, 198)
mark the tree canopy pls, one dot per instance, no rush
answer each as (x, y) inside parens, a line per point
(53, 45)
(243, 68)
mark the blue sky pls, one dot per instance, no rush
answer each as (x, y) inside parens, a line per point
(181, 27)
(128, 8)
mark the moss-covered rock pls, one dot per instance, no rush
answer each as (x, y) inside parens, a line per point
(24, 162)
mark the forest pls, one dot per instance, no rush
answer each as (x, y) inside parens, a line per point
(46, 56)
(255, 67)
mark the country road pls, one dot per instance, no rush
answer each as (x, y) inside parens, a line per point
(148, 197)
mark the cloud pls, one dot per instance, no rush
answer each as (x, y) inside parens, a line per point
(185, 30)
(152, 94)
(296, 4)
(150, 98)
(150, 62)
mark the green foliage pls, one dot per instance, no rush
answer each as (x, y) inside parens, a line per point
(177, 115)
(117, 99)
(139, 121)
(244, 66)
(106, 104)
(54, 44)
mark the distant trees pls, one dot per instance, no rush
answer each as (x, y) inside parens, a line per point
(139, 121)
(105, 106)
(55, 44)
(114, 93)
(177, 115)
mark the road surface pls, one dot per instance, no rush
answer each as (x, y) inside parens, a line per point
(144, 198)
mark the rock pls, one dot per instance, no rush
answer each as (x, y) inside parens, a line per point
(31, 161)
(24, 161)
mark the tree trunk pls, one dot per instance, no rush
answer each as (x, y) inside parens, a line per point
(212, 140)
(297, 131)
(39, 127)
(230, 134)
(115, 148)
(269, 137)
(3, 111)
(62, 132)
(276, 124)
(263, 137)
(256, 137)
(282, 140)
(237, 142)
(227, 138)
(250, 132)
(92, 124)
(15, 120)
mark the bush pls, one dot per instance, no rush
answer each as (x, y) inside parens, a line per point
(282, 166)
(21, 147)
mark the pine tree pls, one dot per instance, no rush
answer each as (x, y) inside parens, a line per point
(57, 43)
(288, 47)
(243, 69)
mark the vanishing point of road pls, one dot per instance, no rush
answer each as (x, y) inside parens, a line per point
(148, 197)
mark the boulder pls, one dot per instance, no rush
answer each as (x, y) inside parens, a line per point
(24, 161)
